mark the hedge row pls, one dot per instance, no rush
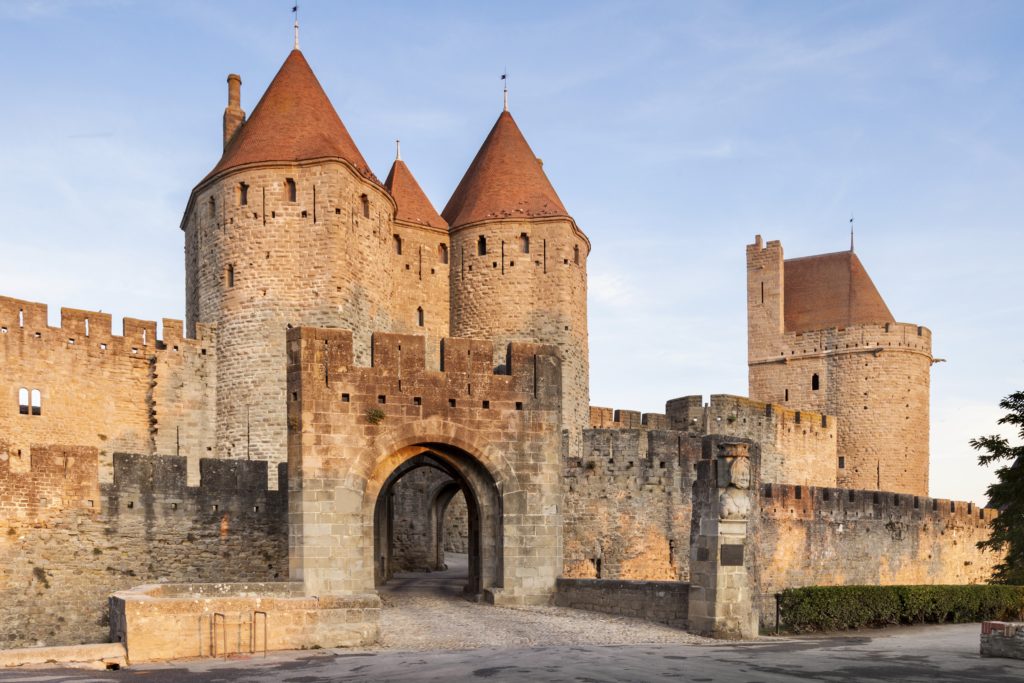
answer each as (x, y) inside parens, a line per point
(835, 608)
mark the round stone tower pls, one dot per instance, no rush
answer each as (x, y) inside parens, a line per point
(519, 263)
(820, 337)
(290, 228)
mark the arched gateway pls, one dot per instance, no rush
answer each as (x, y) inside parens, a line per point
(420, 547)
(354, 431)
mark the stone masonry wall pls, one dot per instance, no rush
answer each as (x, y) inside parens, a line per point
(797, 447)
(412, 534)
(456, 525)
(68, 541)
(255, 269)
(664, 602)
(810, 536)
(351, 427)
(132, 392)
(510, 294)
(627, 505)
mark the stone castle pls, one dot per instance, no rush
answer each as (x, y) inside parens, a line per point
(362, 383)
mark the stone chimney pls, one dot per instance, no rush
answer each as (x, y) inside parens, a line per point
(234, 117)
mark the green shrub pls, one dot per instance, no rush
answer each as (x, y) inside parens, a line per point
(835, 608)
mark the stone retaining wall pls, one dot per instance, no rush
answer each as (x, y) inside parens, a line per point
(665, 602)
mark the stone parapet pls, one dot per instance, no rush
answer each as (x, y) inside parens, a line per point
(173, 621)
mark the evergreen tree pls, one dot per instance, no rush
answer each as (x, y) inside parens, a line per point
(1007, 493)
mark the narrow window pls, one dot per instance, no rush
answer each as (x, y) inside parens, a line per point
(230, 275)
(37, 402)
(762, 292)
(419, 316)
(23, 401)
(576, 254)
(442, 253)
(213, 207)
(815, 382)
(787, 394)
(524, 243)
(21, 317)
(365, 201)
(289, 185)
(481, 246)
(398, 244)
(243, 194)
(144, 337)
(86, 327)
(842, 462)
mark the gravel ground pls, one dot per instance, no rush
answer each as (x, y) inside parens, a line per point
(426, 611)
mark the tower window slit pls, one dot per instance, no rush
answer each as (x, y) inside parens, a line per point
(365, 202)
(230, 275)
(524, 243)
(23, 401)
(481, 246)
(243, 194)
(290, 190)
(419, 316)
(398, 244)
(815, 382)
(442, 253)
(37, 402)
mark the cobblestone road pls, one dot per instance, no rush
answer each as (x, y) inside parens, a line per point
(427, 612)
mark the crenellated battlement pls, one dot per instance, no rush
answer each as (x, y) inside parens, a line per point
(692, 414)
(809, 502)
(91, 331)
(616, 418)
(49, 480)
(530, 378)
(874, 338)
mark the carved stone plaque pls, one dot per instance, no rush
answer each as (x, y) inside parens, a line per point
(732, 555)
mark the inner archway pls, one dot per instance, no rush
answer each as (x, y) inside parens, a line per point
(410, 528)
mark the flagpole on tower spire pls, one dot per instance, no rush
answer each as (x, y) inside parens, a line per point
(851, 233)
(504, 80)
(295, 11)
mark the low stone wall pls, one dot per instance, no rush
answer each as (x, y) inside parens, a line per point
(1002, 639)
(172, 621)
(664, 602)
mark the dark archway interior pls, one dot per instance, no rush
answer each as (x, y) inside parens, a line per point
(409, 519)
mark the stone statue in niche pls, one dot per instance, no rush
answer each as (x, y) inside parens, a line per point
(734, 481)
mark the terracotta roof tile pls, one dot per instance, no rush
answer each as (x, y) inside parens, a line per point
(831, 290)
(413, 205)
(293, 121)
(505, 180)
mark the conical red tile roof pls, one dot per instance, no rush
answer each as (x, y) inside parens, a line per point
(505, 180)
(831, 290)
(413, 205)
(293, 121)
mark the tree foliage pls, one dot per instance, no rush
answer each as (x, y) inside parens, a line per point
(1007, 493)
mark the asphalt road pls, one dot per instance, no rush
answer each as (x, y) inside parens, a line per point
(933, 653)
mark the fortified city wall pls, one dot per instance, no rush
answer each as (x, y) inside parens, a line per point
(133, 393)
(69, 541)
(816, 536)
(636, 483)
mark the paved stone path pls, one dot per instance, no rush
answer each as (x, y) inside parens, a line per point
(428, 612)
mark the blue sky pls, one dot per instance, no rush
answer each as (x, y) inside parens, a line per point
(672, 131)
